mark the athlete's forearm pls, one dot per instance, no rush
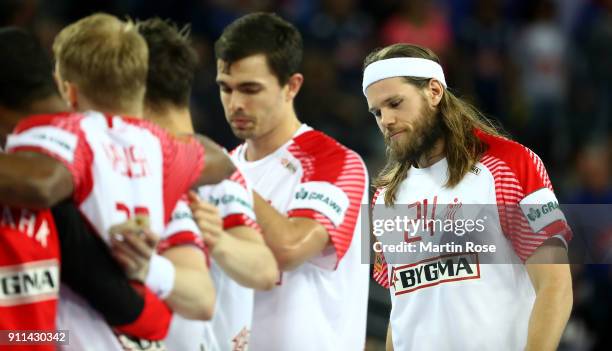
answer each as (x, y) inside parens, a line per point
(251, 264)
(32, 180)
(217, 164)
(193, 293)
(292, 241)
(551, 309)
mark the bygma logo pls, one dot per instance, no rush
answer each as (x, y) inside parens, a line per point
(434, 271)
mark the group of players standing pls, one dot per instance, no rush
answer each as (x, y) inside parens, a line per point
(161, 240)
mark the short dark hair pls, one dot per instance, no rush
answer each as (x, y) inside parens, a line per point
(172, 62)
(263, 33)
(25, 70)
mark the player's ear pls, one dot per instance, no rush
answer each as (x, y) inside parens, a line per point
(293, 85)
(72, 93)
(435, 90)
(64, 88)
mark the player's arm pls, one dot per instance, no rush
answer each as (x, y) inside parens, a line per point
(179, 275)
(552, 281)
(240, 251)
(33, 180)
(193, 294)
(217, 164)
(124, 304)
(293, 241)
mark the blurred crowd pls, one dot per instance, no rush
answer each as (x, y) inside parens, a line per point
(541, 68)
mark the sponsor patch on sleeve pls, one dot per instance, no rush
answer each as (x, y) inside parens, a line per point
(230, 197)
(181, 221)
(322, 197)
(53, 139)
(541, 209)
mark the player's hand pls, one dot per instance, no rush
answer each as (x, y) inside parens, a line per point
(133, 250)
(209, 221)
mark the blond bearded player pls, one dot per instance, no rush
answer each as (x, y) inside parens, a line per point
(440, 147)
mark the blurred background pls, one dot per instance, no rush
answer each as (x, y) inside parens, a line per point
(542, 68)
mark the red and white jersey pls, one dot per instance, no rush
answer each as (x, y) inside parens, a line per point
(321, 305)
(29, 272)
(231, 323)
(454, 301)
(91, 332)
(121, 167)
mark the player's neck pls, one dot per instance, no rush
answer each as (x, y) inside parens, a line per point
(266, 144)
(176, 120)
(133, 110)
(52, 104)
(434, 155)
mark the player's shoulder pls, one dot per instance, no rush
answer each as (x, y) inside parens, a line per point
(164, 136)
(316, 144)
(522, 161)
(142, 124)
(503, 148)
(51, 119)
(324, 155)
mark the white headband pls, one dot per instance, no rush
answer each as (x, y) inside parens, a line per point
(402, 67)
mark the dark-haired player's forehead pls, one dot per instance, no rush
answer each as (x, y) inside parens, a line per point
(249, 70)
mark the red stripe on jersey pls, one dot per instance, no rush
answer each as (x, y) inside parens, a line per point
(153, 322)
(183, 161)
(239, 220)
(376, 195)
(324, 159)
(517, 172)
(80, 168)
(380, 273)
(238, 178)
(184, 238)
(178, 239)
(39, 120)
(523, 163)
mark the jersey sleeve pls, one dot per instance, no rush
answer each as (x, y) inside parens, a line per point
(380, 269)
(181, 230)
(184, 165)
(331, 190)
(528, 208)
(540, 209)
(183, 161)
(60, 137)
(234, 199)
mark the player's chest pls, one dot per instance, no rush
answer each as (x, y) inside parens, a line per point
(276, 179)
(476, 187)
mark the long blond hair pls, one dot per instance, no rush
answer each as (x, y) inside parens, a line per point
(462, 147)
